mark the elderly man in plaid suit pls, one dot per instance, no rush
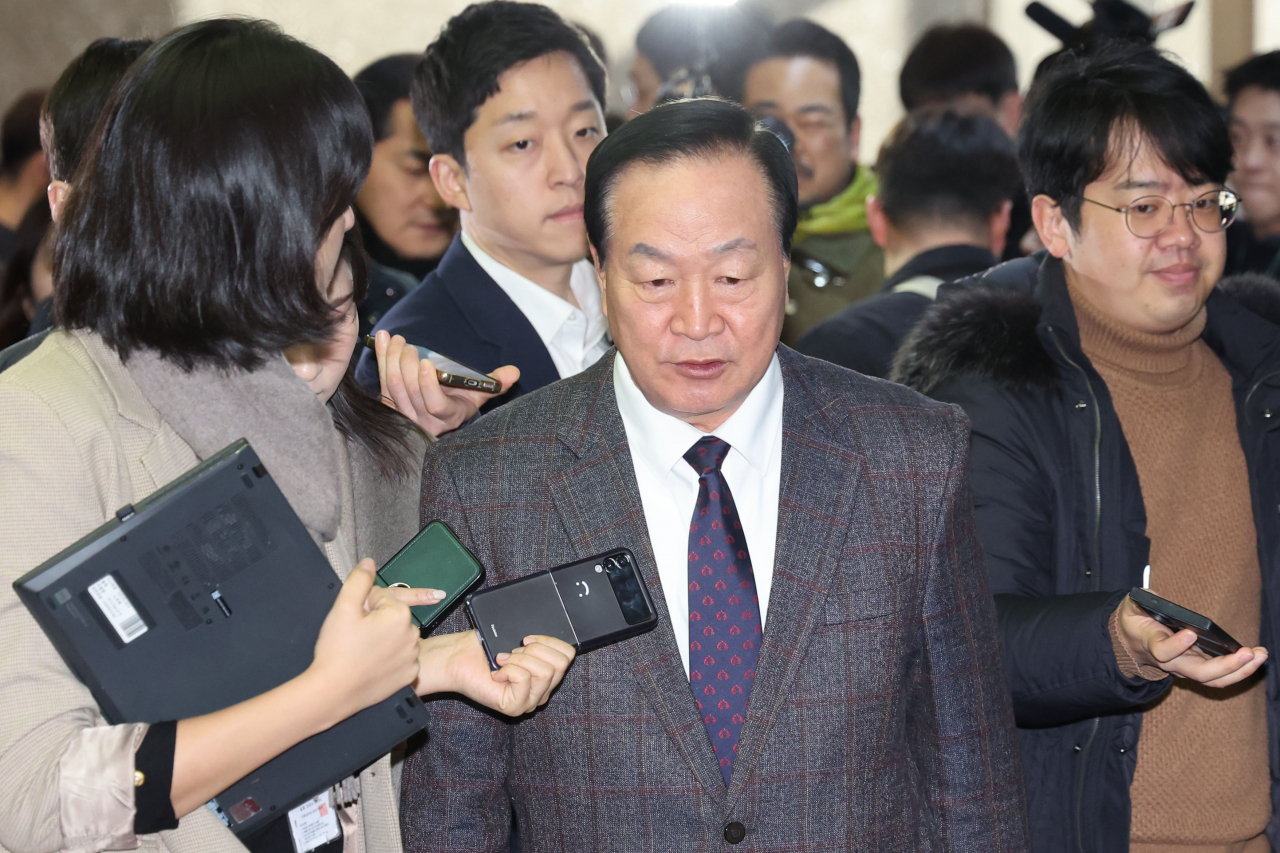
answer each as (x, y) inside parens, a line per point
(825, 673)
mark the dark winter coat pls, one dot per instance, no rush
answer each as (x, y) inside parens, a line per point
(1061, 519)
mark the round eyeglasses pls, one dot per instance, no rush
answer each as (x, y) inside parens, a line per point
(1152, 215)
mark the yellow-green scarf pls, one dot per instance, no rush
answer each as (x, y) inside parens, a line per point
(845, 213)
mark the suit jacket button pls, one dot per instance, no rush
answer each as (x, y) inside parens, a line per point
(734, 832)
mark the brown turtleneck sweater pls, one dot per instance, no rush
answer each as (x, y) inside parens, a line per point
(1203, 781)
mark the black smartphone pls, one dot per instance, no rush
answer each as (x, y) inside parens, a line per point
(1212, 640)
(434, 559)
(453, 373)
(588, 604)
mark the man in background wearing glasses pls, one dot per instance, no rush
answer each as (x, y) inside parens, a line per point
(1124, 413)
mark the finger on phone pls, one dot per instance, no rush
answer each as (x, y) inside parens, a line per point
(1248, 669)
(417, 597)
(1214, 669)
(1169, 646)
(507, 375)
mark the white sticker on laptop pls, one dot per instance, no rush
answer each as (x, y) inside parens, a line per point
(314, 823)
(118, 609)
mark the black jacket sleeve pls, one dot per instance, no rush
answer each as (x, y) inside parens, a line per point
(1057, 651)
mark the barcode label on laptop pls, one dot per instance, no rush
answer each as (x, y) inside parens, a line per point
(118, 609)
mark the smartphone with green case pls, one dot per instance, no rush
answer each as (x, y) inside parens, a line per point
(434, 559)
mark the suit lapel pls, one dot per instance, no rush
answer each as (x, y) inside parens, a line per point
(495, 318)
(810, 539)
(598, 501)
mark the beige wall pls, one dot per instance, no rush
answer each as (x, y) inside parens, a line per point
(39, 37)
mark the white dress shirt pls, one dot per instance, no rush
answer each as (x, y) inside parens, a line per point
(669, 485)
(573, 335)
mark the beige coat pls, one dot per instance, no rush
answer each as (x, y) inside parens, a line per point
(79, 440)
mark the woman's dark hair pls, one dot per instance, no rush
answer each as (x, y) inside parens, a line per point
(1262, 71)
(951, 60)
(382, 84)
(939, 166)
(1087, 111)
(76, 100)
(697, 128)
(15, 284)
(358, 414)
(220, 162)
(802, 37)
(460, 69)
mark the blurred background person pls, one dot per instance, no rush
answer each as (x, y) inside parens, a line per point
(74, 102)
(808, 78)
(720, 41)
(66, 121)
(1253, 99)
(405, 224)
(26, 285)
(24, 175)
(969, 68)
(942, 211)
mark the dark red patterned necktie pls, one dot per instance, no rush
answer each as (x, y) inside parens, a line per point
(724, 612)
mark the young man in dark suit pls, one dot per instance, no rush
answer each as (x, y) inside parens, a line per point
(509, 98)
(829, 679)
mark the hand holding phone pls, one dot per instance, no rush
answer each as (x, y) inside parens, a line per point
(434, 559)
(1176, 650)
(413, 388)
(587, 604)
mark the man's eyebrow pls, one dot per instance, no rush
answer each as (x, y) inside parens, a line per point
(737, 244)
(513, 118)
(583, 105)
(816, 108)
(649, 252)
(1140, 184)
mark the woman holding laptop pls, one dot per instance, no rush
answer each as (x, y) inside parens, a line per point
(204, 295)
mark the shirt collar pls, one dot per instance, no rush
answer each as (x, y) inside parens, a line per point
(546, 312)
(664, 439)
(948, 263)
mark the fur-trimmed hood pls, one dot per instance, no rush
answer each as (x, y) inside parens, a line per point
(987, 326)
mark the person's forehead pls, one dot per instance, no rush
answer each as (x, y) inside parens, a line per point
(543, 88)
(792, 77)
(1254, 103)
(404, 130)
(1134, 162)
(710, 200)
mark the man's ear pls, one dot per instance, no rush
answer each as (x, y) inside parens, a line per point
(57, 193)
(1051, 224)
(877, 222)
(450, 179)
(604, 297)
(998, 227)
(855, 135)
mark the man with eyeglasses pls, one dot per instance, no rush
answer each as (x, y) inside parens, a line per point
(1124, 413)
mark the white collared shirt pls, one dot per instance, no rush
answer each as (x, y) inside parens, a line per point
(574, 336)
(669, 485)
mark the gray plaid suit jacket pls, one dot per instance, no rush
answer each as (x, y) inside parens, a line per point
(879, 717)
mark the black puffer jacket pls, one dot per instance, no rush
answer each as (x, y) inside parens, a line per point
(1061, 518)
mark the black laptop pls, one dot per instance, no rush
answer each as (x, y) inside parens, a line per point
(205, 594)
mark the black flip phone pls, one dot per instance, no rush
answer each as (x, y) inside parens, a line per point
(1212, 640)
(588, 604)
(434, 559)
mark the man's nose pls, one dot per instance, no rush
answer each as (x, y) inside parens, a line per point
(563, 167)
(1182, 233)
(695, 316)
